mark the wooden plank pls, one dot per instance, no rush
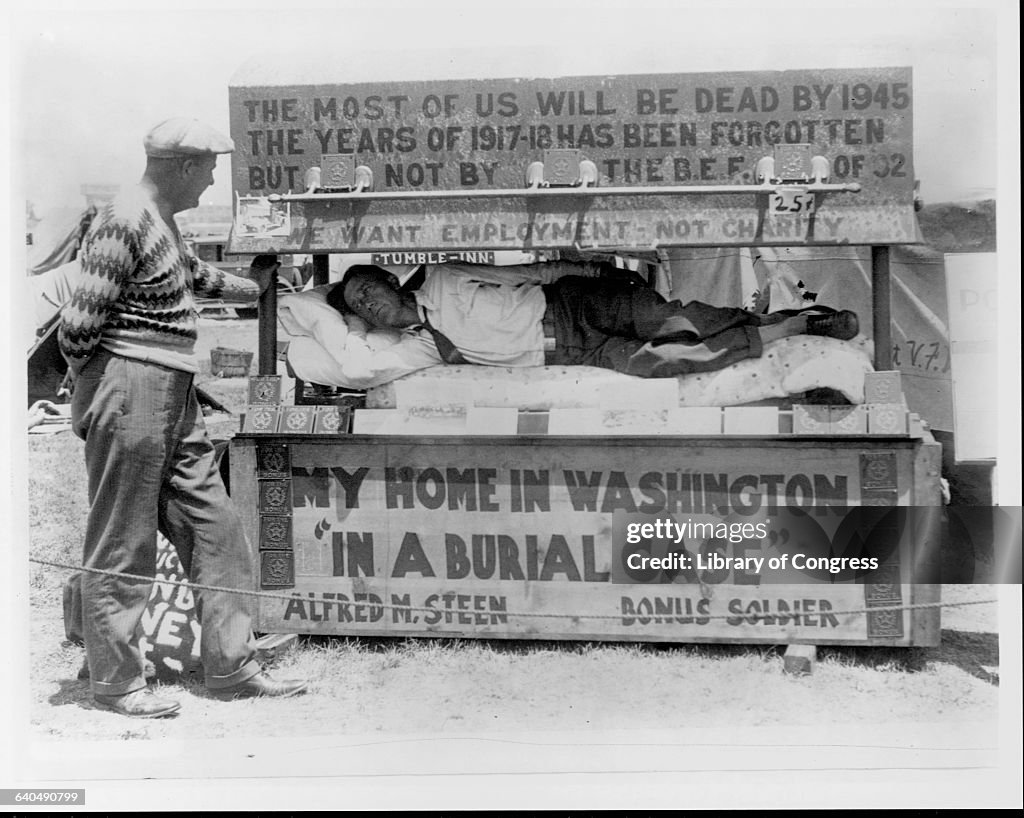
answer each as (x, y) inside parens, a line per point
(881, 306)
(927, 472)
(926, 630)
(564, 610)
(640, 131)
(927, 623)
(779, 443)
(321, 269)
(245, 498)
(267, 358)
(477, 532)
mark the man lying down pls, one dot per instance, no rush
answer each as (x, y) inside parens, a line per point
(496, 316)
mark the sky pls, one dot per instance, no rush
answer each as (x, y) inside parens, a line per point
(88, 79)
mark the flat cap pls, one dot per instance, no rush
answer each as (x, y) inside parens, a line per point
(185, 137)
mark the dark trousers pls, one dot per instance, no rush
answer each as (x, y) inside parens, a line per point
(151, 466)
(616, 324)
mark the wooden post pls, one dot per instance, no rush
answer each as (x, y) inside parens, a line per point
(799, 660)
(267, 343)
(881, 305)
(245, 497)
(321, 269)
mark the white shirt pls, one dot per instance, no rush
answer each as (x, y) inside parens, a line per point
(493, 315)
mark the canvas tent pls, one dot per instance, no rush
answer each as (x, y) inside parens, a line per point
(780, 277)
(57, 237)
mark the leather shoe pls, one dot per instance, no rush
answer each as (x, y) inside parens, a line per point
(140, 704)
(843, 325)
(262, 684)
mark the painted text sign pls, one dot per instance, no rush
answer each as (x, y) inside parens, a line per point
(692, 130)
(400, 538)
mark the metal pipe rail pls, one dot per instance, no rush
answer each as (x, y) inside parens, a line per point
(532, 192)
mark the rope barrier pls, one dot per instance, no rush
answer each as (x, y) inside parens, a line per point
(522, 615)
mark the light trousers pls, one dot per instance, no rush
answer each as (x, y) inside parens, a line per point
(151, 466)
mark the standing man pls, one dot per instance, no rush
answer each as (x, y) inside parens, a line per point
(128, 334)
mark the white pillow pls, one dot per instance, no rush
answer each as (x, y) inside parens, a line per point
(308, 312)
(311, 362)
(317, 334)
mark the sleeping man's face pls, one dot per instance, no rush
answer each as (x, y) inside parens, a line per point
(373, 294)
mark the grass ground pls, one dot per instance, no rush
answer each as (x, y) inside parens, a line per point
(443, 685)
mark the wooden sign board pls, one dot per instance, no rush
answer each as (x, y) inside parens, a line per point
(695, 130)
(510, 538)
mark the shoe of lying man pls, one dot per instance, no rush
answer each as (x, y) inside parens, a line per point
(842, 325)
(262, 684)
(139, 704)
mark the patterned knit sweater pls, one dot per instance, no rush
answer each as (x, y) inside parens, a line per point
(135, 295)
